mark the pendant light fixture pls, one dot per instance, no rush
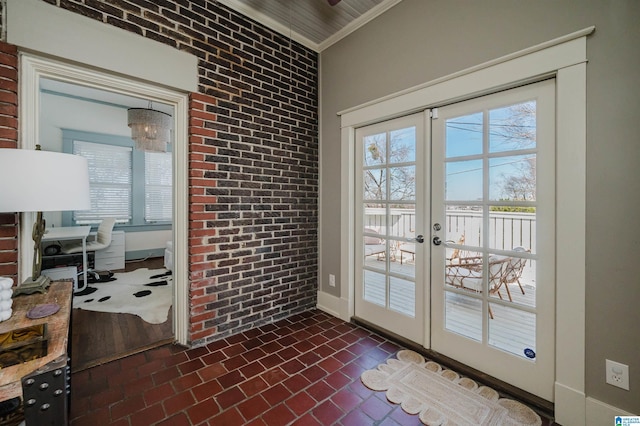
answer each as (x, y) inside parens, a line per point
(150, 128)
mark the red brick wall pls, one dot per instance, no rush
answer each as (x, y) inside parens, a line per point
(253, 164)
(8, 139)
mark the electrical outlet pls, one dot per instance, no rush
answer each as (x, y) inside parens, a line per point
(332, 280)
(617, 374)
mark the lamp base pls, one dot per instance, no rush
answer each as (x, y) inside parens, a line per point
(30, 286)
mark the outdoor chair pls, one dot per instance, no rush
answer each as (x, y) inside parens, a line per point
(373, 244)
(408, 248)
(515, 269)
(467, 274)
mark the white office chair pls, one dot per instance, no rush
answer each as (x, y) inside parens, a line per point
(101, 241)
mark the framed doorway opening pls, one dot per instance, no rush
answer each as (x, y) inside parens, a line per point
(34, 68)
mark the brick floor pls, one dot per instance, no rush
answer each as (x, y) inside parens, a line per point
(304, 370)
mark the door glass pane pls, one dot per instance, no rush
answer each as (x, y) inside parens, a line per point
(517, 281)
(511, 227)
(513, 178)
(403, 183)
(463, 180)
(463, 135)
(375, 149)
(375, 288)
(402, 221)
(513, 331)
(513, 127)
(404, 259)
(403, 145)
(464, 227)
(463, 315)
(375, 184)
(402, 296)
(374, 249)
(375, 218)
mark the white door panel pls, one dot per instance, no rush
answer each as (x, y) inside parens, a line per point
(390, 209)
(492, 279)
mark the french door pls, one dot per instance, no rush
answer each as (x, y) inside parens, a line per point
(492, 272)
(475, 183)
(390, 205)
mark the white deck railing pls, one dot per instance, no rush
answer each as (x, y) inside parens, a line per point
(506, 230)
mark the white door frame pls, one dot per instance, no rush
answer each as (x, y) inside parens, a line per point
(565, 58)
(32, 69)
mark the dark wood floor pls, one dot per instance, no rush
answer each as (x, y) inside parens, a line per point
(100, 337)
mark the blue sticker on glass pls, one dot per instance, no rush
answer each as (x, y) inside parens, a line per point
(530, 353)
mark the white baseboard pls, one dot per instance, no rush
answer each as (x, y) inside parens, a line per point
(573, 407)
(600, 413)
(332, 305)
(569, 406)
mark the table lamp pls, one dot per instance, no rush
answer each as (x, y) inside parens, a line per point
(38, 181)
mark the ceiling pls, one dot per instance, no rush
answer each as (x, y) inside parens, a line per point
(312, 23)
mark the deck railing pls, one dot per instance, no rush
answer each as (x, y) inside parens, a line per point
(506, 230)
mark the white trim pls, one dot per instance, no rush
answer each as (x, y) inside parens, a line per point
(41, 27)
(32, 69)
(537, 48)
(570, 232)
(599, 413)
(347, 221)
(333, 305)
(569, 404)
(565, 58)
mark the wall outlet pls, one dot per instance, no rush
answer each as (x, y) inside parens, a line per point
(617, 374)
(332, 280)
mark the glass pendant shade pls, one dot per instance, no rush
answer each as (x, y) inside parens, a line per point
(150, 129)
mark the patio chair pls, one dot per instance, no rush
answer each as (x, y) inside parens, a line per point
(515, 269)
(408, 248)
(373, 244)
(467, 275)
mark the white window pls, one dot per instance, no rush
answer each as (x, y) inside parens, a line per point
(110, 182)
(133, 186)
(157, 187)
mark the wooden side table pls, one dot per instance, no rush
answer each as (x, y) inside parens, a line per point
(44, 380)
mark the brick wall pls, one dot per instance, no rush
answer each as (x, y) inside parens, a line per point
(8, 139)
(253, 161)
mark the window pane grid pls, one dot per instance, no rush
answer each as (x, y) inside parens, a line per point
(110, 181)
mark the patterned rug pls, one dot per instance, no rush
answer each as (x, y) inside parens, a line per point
(147, 293)
(442, 397)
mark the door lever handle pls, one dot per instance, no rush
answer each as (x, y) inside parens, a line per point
(437, 241)
(418, 239)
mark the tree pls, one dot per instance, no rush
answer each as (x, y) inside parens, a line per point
(517, 130)
(380, 168)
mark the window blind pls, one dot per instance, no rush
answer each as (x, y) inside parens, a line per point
(110, 182)
(158, 187)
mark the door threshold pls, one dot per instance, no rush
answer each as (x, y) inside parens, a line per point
(116, 357)
(540, 405)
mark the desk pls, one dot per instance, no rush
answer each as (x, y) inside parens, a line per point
(65, 233)
(57, 335)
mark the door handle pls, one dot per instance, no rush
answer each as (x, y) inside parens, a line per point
(418, 239)
(437, 241)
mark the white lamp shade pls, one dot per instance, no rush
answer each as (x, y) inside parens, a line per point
(33, 181)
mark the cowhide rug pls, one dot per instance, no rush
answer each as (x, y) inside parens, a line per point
(147, 293)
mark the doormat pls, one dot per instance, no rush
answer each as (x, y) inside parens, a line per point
(147, 293)
(442, 397)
